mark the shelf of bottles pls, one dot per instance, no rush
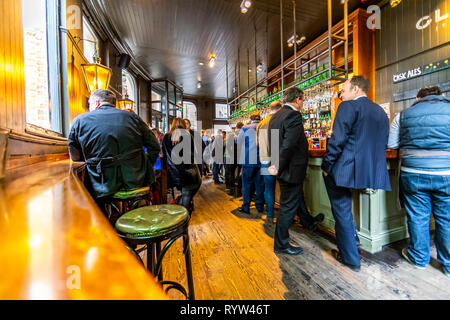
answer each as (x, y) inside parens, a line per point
(319, 91)
(316, 112)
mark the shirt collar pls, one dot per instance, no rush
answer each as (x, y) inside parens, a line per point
(291, 106)
(360, 97)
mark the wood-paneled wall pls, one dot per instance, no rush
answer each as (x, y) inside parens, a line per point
(400, 46)
(12, 70)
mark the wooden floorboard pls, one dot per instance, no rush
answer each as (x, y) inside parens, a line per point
(233, 259)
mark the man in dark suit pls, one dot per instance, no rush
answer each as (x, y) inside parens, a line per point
(355, 159)
(290, 168)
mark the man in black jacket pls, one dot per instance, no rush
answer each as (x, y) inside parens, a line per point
(111, 142)
(290, 168)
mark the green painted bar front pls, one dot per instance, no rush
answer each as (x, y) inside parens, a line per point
(378, 218)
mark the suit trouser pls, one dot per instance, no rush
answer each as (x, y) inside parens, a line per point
(289, 205)
(306, 218)
(341, 206)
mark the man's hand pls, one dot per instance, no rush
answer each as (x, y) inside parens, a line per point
(325, 174)
(272, 171)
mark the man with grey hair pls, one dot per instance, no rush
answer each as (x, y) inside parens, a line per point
(111, 142)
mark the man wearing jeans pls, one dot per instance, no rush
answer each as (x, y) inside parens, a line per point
(263, 135)
(424, 142)
(251, 166)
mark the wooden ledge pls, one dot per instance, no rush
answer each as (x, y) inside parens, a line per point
(56, 243)
(320, 153)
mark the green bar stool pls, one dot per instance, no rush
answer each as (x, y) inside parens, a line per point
(150, 226)
(125, 201)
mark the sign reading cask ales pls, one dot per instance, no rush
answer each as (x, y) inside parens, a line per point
(419, 71)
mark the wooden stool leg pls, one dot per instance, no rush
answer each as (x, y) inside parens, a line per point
(187, 256)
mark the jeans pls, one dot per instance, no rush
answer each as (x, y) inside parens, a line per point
(253, 176)
(216, 169)
(422, 195)
(269, 191)
(187, 196)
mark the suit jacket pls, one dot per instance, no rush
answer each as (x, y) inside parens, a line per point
(356, 151)
(293, 145)
(115, 140)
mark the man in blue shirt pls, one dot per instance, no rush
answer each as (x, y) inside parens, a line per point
(248, 154)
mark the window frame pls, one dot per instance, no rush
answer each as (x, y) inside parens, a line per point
(215, 111)
(90, 28)
(52, 41)
(135, 89)
(185, 115)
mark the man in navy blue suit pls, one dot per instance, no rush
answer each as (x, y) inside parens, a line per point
(355, 159)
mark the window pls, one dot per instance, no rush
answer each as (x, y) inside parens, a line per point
(190, 112)
(221, 111)
(223, 127)
(156, 105)
(41, 59)
(129, 88)
(89, 41)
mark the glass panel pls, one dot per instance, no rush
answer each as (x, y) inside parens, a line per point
(171, 92)
(190, 112)
(89, 39)
(179, 97)
(129, 88)
(221, 111)
(156, 105)
(37, 97)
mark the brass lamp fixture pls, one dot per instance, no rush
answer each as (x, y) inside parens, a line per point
(395, 3)
(97, 76)
(126, 103)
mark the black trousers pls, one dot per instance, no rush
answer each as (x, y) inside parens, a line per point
(292, 202)
(232, 176)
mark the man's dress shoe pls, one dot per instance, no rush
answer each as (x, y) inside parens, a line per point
(337, 255)
(290, 250)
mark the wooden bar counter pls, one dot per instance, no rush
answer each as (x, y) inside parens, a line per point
(56, 244)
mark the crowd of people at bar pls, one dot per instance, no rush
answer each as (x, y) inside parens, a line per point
(120, 151)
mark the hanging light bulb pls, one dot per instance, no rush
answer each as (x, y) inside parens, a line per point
(212, 61)
(244, 10)
(247, 3)
(199, 85)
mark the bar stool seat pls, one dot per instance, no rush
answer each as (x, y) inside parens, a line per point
(151, 221)
(126, 200)
(151, 225)
(127, 194)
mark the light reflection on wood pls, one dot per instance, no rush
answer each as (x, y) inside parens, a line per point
(56, 244)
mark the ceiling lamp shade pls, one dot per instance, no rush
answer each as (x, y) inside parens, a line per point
(125, 104)
(395, 3)
(97, 76)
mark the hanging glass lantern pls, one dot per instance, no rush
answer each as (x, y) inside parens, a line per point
(125, 104)
(97, 76)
